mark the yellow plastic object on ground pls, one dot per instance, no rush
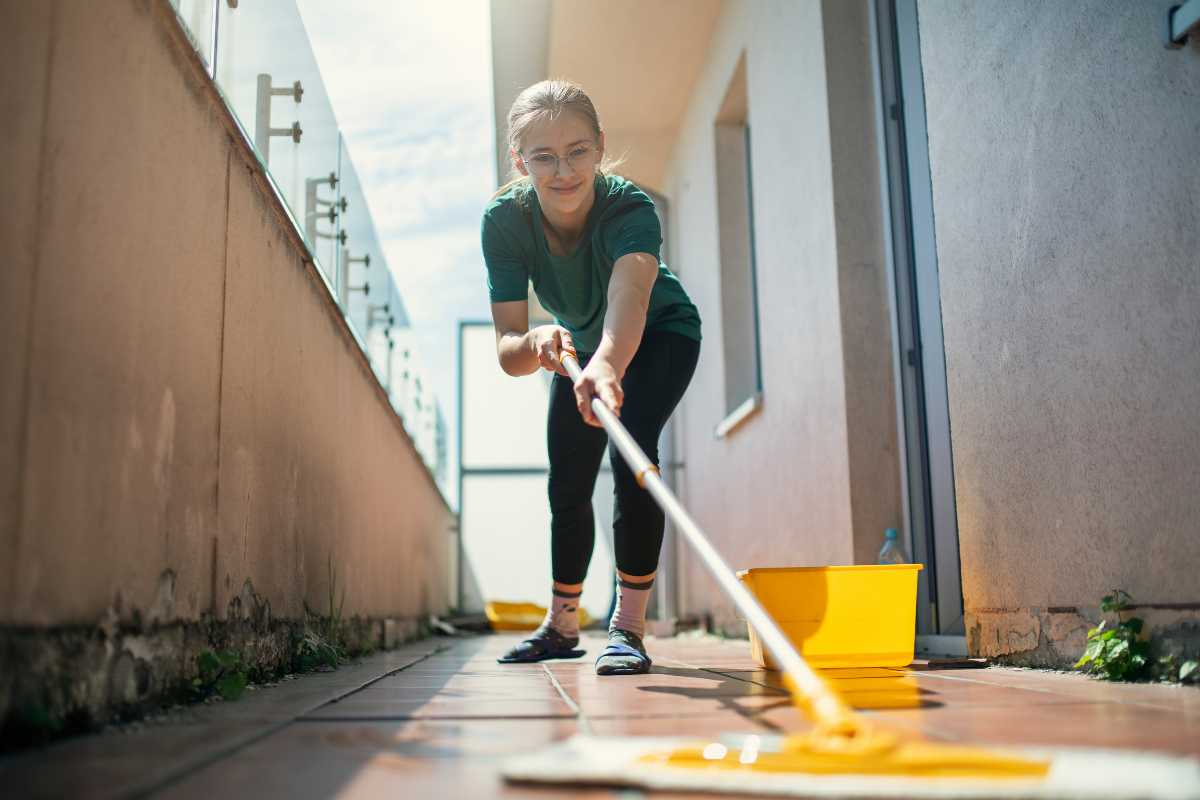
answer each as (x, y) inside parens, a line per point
(874, 753)
(872, 689)
(837, 617)
(522, 616)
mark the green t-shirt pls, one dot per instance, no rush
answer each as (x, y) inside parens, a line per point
(574, 288)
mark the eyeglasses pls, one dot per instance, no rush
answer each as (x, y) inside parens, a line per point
(545, 165)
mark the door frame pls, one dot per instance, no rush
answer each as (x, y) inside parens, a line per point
(919, 356)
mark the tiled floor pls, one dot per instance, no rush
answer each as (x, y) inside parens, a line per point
(437, 718)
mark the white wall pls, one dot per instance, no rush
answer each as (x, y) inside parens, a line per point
(780, 490)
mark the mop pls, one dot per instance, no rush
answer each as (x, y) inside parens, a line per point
(844, 755)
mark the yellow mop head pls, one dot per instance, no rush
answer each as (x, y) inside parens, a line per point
(763, 765)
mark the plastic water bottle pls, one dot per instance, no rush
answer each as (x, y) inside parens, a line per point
(892, 552)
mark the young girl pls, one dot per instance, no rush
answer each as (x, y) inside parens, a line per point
(589, 242)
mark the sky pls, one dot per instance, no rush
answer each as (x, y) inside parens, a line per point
(410, 84)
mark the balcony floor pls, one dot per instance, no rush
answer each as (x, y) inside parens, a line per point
(437, 718)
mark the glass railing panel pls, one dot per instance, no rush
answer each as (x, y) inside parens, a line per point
(363, 273)
(198, 17)
(268, 73)
(264, 67)
(380, 324)
(402, 372)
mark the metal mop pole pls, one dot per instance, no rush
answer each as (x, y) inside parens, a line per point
(827, 707)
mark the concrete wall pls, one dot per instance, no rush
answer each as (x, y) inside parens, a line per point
(1063, 142)
(812, 478)
(187, 424)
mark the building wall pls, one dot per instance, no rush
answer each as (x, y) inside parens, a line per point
(519, 56)
(1063, 142)
(637, 61)
(812, 478)
(188, 425)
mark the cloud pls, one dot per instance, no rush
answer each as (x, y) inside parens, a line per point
(410, 84)
(380, 53)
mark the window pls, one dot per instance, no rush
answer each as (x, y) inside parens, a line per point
(735, 211)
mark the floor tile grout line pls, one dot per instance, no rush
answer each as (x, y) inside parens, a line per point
(190, 768)
(910, 726)
(882, 713)
(782, 692)
(976, 681)
(446, 718)
(755, 718)
(1074, 699)
(436, 651)
(585, 727)
(664, 716)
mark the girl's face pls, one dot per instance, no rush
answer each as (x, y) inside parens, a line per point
(565, 187)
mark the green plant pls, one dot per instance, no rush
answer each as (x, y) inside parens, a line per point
(313, 650)
(224, 672)
(1115, 653)
(320, 645)
(1168, 669)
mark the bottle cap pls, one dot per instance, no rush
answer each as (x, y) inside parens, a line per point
(890, 533)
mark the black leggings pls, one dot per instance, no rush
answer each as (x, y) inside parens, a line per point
(654, 382)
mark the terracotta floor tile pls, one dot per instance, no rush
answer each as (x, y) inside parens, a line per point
(1081, 687)
(118, 764)
(1061, 724)
(438, 723)
(482, 691)
(464, 684)
(674, 681)
(399, 760)
(860, 688)
(365, 706)
(747, 707)
(698, 726)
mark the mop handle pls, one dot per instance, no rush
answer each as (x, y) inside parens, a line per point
(826, 706)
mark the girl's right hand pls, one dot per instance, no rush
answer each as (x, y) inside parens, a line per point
(549, 342)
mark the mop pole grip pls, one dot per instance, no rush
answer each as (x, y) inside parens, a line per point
(826, 707)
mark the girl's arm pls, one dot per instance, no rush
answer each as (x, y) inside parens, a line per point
(520, 350)
(633, 277)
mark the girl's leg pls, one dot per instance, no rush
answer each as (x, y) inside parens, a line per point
(575, 449)
(654, 383)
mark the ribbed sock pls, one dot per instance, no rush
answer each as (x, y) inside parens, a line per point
(632, 599)
(563, 614)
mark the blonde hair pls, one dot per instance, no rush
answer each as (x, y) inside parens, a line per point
(547, 100)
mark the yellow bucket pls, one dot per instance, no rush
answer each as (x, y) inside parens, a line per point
(854, 616)
(522, 616)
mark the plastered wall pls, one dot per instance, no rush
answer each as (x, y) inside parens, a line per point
(1063, 141)
(184, 413)
(812, 478)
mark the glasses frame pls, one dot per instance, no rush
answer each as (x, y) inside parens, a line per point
(593, 149)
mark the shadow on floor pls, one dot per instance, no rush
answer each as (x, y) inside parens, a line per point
(861, 689)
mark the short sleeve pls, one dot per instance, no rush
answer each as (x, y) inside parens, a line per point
(635, 229)
(507, 275)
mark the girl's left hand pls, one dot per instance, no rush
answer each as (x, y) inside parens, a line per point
(598, 379)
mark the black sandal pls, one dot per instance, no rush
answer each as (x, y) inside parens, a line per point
(545, 643)
(625, 655)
